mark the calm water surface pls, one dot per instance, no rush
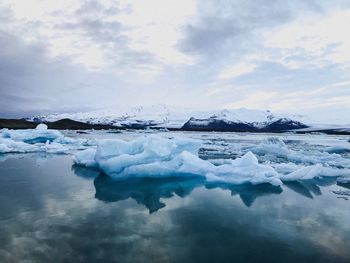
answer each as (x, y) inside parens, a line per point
(52, 211)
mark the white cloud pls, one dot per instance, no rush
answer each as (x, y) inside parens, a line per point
(181, 52)
(39, 10)
(256, 100)
(155, 26)
(152, 27)
(237, 70)
(318, 40)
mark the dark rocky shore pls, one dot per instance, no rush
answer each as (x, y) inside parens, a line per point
(282, 125)
(64, 124)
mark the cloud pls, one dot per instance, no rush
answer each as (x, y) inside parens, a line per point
(230, 26)
(315, 41)
(32, 81)
(237, 70)
(235, 26)
(95, 37)
(79, 54)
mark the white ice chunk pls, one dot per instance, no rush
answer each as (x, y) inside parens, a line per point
(41, 127)
(39, 135)
(307, 172)
(86, 158)
(156, 156)
(338, 149)
(315, 171)
(275, 147)
(11, 146)
(39, 139)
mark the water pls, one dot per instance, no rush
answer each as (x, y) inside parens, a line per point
(54, 211)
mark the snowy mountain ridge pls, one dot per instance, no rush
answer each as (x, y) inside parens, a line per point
(169, 117)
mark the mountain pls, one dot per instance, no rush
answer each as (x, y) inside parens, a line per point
(216, 124)
(161, 116)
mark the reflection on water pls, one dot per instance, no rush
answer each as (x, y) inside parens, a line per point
(345, 185)
(147, 192)
(52, 211)
(85, 172)
(248, 193)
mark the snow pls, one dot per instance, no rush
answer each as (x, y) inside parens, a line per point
(166, 116)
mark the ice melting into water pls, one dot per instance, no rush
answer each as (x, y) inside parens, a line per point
(40, 139)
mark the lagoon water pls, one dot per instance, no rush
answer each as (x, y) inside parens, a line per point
(54, 211)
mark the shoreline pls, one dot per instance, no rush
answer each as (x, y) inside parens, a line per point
(68, 124)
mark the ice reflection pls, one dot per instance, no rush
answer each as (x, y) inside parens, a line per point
(150, 191)
(147, 192)
(50, 213)
(248, 193)
(84, 172)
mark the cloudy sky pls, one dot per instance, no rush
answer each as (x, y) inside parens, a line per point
(78, 55)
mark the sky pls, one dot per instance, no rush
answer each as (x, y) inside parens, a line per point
(80, 55)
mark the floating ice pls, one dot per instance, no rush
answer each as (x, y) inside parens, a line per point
(275, 148)
(9, 145)
(41, 127)
(86, 158)
(155, 156)
(338, 149)
(222, 158)
(314, 171)
(40, 139)
(31, 136)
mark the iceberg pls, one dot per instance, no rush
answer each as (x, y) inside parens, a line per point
(86, 158)
(40, 139)
(156, 156)
(41, 134)
(275, 148)
(314, 171)
(172, 155)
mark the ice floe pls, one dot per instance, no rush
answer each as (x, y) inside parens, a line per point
(157, 156)
(40, 139)
(274, 148)
(226, 158)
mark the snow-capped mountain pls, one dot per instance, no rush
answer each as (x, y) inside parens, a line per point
(172, 117)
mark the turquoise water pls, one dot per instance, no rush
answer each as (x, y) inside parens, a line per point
(52, 211)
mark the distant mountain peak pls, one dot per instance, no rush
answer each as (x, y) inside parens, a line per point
(173, 117)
